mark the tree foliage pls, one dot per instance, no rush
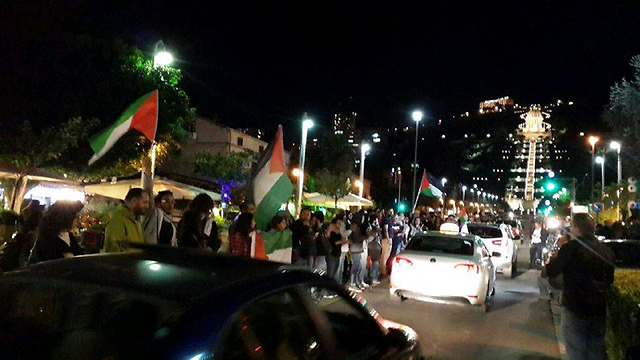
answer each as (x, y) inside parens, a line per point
(231, 169)
(336, 185)
(624, 116)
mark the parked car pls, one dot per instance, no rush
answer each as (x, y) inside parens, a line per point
(441, 267)
(627, 252)
(497, 239)
(176, 304)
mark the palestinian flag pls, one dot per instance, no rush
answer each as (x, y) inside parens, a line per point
(428, 189)
(277, 245)
(271, 186)
(142, 115)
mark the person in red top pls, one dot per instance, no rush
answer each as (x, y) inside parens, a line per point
(240, 239)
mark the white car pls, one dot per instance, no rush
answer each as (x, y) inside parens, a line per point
(498, 239)
(444, 267)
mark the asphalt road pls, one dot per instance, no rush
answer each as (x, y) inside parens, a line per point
(518, 326)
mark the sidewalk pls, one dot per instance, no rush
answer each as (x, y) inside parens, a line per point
(555, 312)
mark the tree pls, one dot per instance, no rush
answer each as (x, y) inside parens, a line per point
(624, 116)
(232, 171)
(336, 185)
(29, 149)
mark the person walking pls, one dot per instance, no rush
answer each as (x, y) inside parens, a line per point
(123, 225)
(587, 267)
(395, 233)
(240, 239)
(55, 240)
(191, 227)
(158, 223)
(538, 236)
(374, 253)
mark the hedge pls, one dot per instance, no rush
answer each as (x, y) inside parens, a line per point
(622, 302)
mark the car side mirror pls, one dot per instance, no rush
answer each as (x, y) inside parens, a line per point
(396, 339)
(496, 254)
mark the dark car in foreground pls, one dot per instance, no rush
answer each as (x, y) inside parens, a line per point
(172, 304)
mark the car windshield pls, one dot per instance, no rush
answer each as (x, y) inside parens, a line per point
(485, 231)
(439, 244)
(53, 318)
(627, 253)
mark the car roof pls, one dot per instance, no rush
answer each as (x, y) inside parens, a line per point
(170, 273)
(444, 234)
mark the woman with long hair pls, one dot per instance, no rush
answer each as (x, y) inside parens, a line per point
(191, 227)
(55, 240)
(240, 239)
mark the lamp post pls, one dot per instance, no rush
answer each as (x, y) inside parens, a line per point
(593, 140)
(306, 125)
(473, 198)
(616, 146)
(464, 190)
(600, 160)
(363, 154)
(399, 173)
(417, 117)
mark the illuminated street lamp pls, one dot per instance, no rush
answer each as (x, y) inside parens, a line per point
(161, 57)
(593, 140)
(417, 117)
(306, 125)
(444, 181)
(616, 146)
(600, 160)
(296, 172)
(464, 190)
(363, 154)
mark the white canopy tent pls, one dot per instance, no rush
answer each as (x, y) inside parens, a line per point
(343, 203)
(119, 189)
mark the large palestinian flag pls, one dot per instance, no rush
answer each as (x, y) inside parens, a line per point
(428, 189)
(271, 186)
(142, 115)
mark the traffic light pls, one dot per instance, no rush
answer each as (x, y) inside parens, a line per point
(550, 186)
(402, 207)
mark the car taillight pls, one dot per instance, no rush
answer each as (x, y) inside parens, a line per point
(403, 261)
(469, 267)
(497, 242)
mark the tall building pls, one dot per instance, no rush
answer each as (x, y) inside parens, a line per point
(495, 105)
(344, 122)
(530, 151)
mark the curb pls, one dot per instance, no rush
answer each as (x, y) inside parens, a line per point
(556, 308)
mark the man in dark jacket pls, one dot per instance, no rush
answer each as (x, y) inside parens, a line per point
(588, 269)
(303, 240)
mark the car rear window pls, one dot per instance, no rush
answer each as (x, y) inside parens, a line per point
(439, 244)
(485, 231)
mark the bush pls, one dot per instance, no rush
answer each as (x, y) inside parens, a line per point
(8, 217)
(622, 304)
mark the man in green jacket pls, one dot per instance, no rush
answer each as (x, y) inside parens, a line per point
(124, 226)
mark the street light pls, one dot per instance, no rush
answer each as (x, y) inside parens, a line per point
(363, 154)
(593, 140)
(161, 56)
(464, 190)
(296, 172)
(600, 160)
(306, 125)
(444, 181)
(616, 146)
(417, 117)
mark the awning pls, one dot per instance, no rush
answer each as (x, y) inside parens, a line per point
(344, 202)
(119, 189)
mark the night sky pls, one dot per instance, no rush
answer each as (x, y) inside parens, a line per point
(255, 63)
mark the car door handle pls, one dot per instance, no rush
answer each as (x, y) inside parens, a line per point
(432, 260)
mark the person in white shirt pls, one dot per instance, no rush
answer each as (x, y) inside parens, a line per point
(537, 237)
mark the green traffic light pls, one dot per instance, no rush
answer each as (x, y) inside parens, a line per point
(402, 207)
(551, 186)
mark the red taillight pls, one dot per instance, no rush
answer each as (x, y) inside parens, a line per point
(469, 267)
(496, 242)
(403, 261)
